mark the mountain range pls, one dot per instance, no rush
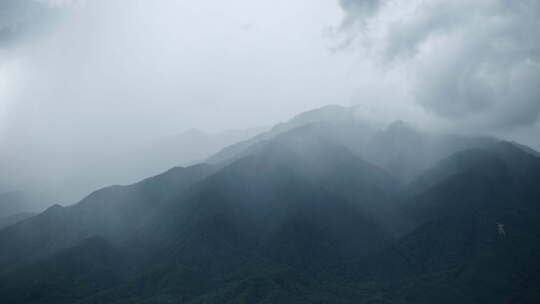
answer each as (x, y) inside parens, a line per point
(31, 188)
(320, 209)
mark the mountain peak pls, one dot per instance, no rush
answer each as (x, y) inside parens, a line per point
(54, 208)
(325, 113)
(523, 148)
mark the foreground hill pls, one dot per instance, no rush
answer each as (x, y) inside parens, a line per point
(112, 212)
(477, 234)
(276, 208)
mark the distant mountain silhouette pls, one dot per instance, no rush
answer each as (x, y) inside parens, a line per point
(68, 275)
(331, 114)
(68, 185)
(322, 209)
(15, 218)
(113, 212)
(17, 202)
(399, 149)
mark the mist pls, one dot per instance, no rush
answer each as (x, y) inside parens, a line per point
(84, 83)
(98, 79)
(287, 151)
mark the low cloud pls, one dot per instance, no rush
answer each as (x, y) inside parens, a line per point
(23, 20)
(358, 10)
(92, 79)
(472, 62)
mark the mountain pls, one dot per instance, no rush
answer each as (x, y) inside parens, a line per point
(270, 209)
(65, 184)
(15, 218)
(400, 149)
(406, 152)
(330, 115)
(267, 215)
(17, 202)
(153, 157)
(474, 179)
(476, 237)
(321, 211)
(113, 212)
(12, 203)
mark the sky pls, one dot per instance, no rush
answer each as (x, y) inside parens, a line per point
(81, 78)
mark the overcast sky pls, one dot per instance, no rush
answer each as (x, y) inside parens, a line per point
(81, 76)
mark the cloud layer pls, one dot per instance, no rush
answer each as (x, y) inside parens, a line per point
(81, 80)
(98, 76)
(24, 20)
(473, 62)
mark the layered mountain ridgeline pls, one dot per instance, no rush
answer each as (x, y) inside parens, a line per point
(114, 212)
(17, 202)
(153, 157)
(316, 211)
(399, 148)
(15, 218)
(33, 187)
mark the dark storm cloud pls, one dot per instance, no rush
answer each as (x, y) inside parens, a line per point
(472, 61)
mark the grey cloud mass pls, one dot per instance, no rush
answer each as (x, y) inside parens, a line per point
(473, 62)
(85, 81)
(357, 10)
(94, 79)
(20, 19)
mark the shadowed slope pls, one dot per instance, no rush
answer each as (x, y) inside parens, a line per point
(478, 234)
(113, 212)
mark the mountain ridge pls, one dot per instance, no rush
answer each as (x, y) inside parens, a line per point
(299, 217)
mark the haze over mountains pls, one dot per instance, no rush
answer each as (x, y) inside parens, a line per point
(419, 185)
(321, 209)
(31, 187)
